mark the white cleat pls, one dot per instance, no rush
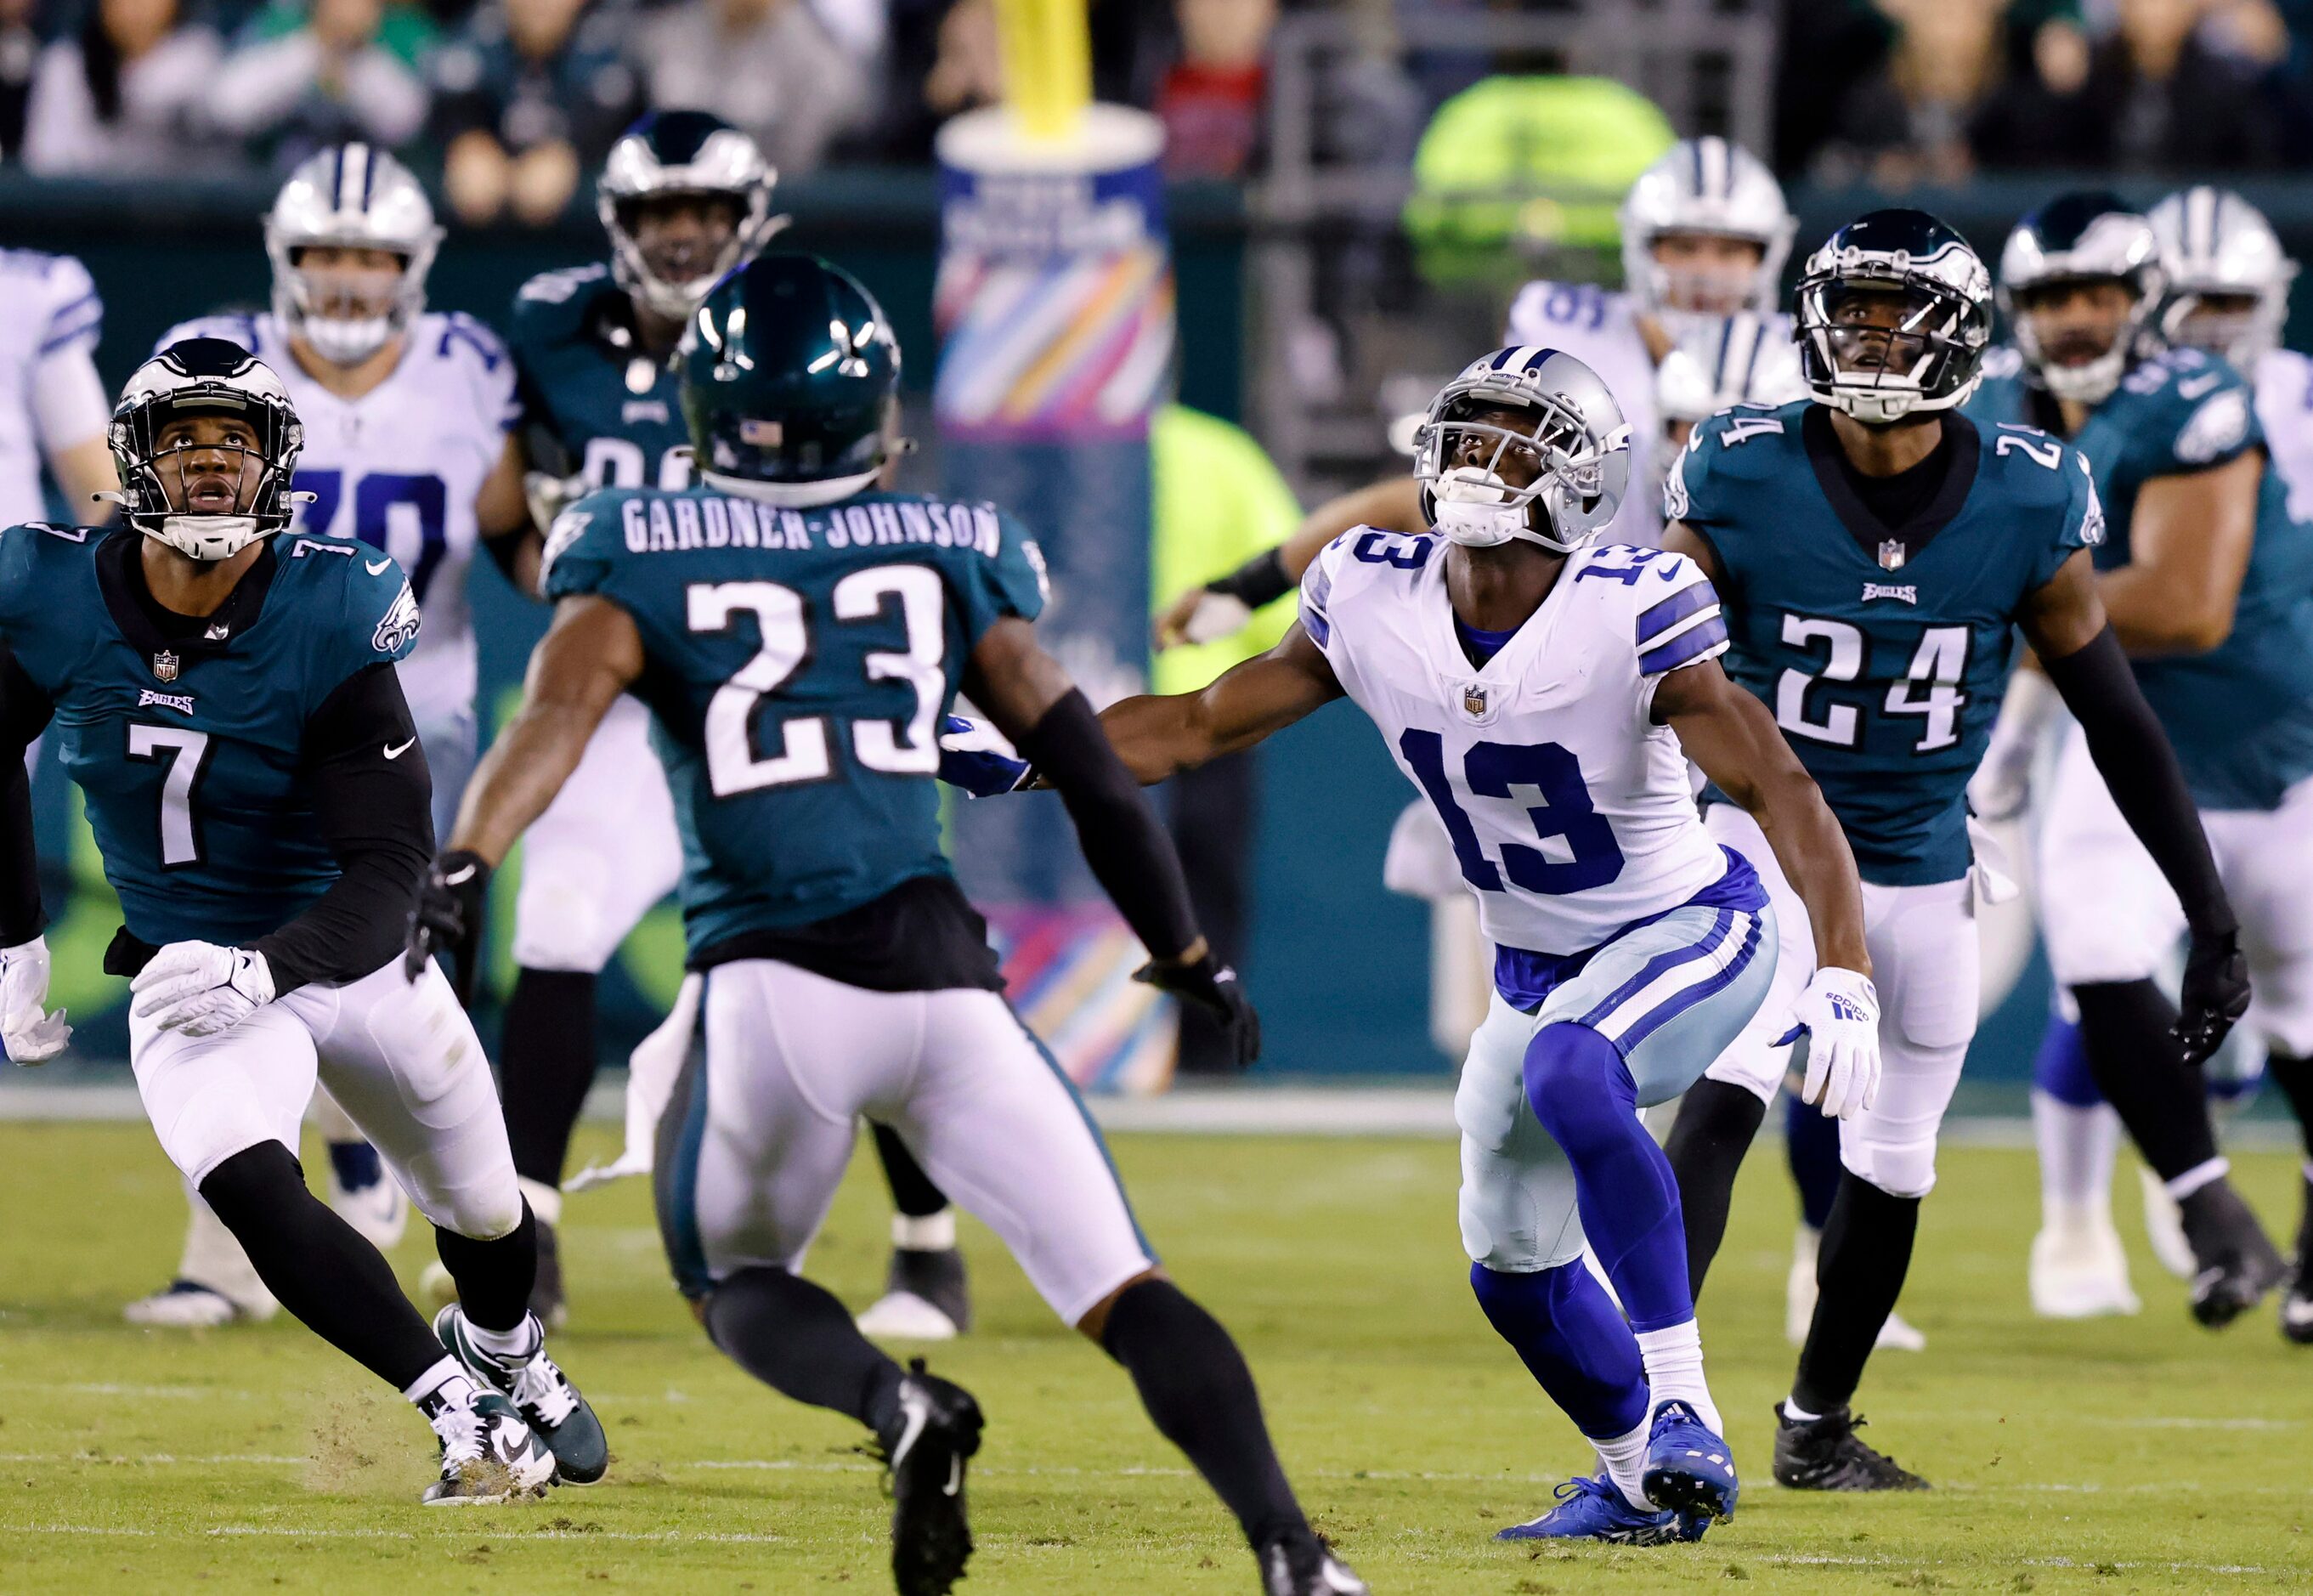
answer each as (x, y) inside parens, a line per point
(378, 1211)
(487, 1455)
(2078, 1270)
(2164, 1227)
(188, 1305)
(1897, 1334)
(902, 1316)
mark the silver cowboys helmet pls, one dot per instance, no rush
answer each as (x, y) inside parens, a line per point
(2219, 253)
(1893, 316)
(2080, 238)
(356, 197)
(1572, 442)
(674, 152)
(1707, 186)
(204, 376)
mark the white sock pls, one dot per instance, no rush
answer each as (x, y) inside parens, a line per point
(545, 1200)
(2200, 1175)
(1798, 1415)
(2077, 1148)
(1674, 1361)
(517, 1346)
(444, 1382)
(932, 1233)
(1624, 1458)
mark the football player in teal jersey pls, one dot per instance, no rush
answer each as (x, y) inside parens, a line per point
(1876, 550)
(685, 197)
(2205, 577)
(798, 632)
(231, 713)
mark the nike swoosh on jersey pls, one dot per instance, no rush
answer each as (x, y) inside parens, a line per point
(379, 568)
(392, 752)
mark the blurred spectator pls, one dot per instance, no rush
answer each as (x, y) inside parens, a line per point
(126, 97)
(527, 97)
(1209, 102)
(2042, 116)
(329, 81)
(769, 66)
(20, 57)
(1905, 121)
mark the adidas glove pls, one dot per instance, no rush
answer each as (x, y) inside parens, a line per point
(201, 989)
(31, 1034)
(1836, 1024)
(975, 758)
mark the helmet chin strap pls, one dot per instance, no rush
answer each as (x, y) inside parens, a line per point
(1474, 508)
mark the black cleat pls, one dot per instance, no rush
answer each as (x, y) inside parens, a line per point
(926, 1297)
(2234, 1262)
(546, 1299)
(1824, 1455)
(936, 1428)
(1303, 1564)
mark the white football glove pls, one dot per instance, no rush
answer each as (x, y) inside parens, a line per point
(31, 1034)
(1836, 1024)
(200, 988)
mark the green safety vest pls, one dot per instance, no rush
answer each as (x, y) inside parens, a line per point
(1217, 501)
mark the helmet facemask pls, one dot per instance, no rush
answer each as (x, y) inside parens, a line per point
(205, 471)
(347, 301)
(2081, 363)
(1497, 466)
(703, 235)
(1880, 348)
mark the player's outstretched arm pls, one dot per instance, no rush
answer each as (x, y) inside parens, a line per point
(1029, 696)
(2188, 549)
(2081, 652)
(1393, 506)
(591, 653)
(1159, 736)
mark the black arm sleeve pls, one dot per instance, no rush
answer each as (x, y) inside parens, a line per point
(1257, 581)
(375, 801)
(1129, 853)
(24, 711)
(2132, 755)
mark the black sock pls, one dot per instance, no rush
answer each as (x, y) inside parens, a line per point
(1194, 1383)
(912, 1191)
(797, 1339)
(494, 1277)
(323, 1271)
(2294, 1077)
(1866, 1250)
(1707, 1141)
(1811, 1148)
(2142, 1073)
(546, 1062)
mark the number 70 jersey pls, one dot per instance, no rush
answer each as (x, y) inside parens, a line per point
(1884, 660)
(1570, 812)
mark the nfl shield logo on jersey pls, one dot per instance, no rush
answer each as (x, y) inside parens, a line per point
(1473, 700)
(164, 665)
(1891, 555)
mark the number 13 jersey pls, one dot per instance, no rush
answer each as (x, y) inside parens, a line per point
(1570, 812)
(1883, 652)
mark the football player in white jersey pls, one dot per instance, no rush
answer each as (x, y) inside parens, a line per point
(1544, 692)
(407, 414)
(2228, 281)
(53, 404)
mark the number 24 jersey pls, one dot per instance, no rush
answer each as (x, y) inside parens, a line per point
(1569, 811)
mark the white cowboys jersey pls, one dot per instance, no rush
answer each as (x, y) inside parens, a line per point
(1746, 359)
(1569, 811)
(2284, 409)
(400, 468)
(48, 308)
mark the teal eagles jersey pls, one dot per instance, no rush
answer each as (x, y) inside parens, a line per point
(188, 758)
(1884, 671)
(798, 662)
(588, 389)
(2240, 716)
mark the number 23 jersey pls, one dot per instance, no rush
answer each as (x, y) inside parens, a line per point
(1570, 812)
(400, 469)
(1883, 659)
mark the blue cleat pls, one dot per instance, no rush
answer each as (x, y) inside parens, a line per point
(1689, 1468)
(1595, 1509)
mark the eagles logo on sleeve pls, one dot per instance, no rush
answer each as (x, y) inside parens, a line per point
(399, 629)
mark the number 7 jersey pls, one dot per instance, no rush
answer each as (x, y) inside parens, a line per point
(796, 663)
(1570, 812)
(1883, 658)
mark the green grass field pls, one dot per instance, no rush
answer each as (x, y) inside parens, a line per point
(2130, 1455)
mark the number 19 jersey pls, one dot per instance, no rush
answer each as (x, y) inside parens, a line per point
(1569, 810)
(796, 664)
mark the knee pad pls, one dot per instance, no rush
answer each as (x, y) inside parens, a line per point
(1901, 1169)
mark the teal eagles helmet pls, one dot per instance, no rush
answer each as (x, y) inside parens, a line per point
(790, 378)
